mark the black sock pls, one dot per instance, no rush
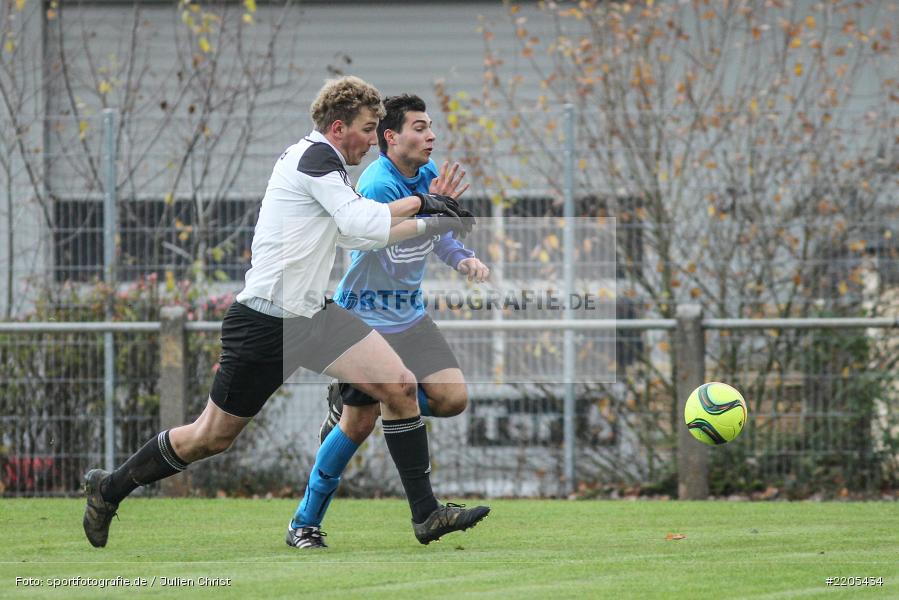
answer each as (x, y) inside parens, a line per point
(407, 440)
(154, 461)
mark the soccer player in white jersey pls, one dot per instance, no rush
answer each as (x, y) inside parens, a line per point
(281, 320)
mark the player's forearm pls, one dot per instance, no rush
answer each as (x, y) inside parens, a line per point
(404, 231)
(401, 210)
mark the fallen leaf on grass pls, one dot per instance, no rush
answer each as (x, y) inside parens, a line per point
(675, 536)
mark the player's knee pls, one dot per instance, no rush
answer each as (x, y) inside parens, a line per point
(454, 402)
(409, 386)
(402, 392)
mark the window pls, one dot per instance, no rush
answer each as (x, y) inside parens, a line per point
(154, 237)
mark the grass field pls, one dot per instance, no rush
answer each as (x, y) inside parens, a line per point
(524, 549)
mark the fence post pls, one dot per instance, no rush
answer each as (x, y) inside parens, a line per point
(110, 226)
(692, 456)
(568, 351)
(173, 384)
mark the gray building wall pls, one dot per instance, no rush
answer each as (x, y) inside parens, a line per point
(399, 47)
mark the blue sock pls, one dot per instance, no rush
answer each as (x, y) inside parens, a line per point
(423, 405)
(331, 460)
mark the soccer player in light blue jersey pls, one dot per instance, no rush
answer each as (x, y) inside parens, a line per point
(383, 288)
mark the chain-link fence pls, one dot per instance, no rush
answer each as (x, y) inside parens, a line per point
(820, 404)
(53, 412)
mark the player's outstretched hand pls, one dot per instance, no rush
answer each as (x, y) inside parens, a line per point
(447, 182)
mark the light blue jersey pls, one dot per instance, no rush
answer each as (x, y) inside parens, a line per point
(383, 287)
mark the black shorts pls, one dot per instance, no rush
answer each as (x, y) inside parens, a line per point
(259, 352)
(423, 350)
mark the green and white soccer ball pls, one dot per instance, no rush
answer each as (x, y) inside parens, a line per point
(715, 413)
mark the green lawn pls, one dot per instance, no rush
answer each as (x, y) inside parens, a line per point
(524, 549)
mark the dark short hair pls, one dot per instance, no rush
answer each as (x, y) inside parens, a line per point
(343, 99)
(396, 108)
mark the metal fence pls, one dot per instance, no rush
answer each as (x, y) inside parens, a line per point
(824, 423)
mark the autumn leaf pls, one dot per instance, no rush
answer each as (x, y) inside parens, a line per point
(20, 5)
(250, 5)
(82, 129)
(675, 536)
(205, 46)
(798, 69)
(494, 250)
(104, 87)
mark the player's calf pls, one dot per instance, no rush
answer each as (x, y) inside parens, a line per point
(357, 422)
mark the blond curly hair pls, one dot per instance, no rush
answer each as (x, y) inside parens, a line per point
(343, 99)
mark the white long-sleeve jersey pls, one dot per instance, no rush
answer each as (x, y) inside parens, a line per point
(309, 206)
